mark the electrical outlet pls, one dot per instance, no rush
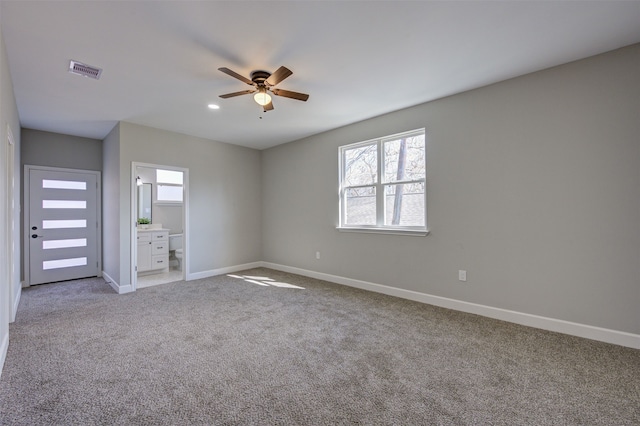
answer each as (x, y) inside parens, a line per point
(318, 255)
(462, 275)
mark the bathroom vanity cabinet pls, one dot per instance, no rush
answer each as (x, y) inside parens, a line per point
(153, 250)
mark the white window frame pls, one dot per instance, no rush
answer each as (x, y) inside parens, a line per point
(379, 186)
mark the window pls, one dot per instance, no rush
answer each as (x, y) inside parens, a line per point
(383, 184)
(169, 186)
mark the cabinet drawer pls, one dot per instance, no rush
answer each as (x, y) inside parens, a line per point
(160, 247)
(160, 236)
(144, 236)
(159, 262)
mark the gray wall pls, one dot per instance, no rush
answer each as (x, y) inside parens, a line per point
(111, 205)
(533, 188)
(41, 148)
(170, 216)
(224, 196)
(9, 235)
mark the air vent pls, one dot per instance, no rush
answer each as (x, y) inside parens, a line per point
(84, 69)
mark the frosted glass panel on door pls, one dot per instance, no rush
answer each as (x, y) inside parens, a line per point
(56, 244)
(64, 204)
(64, 184)
(61, 224)
(64, 263)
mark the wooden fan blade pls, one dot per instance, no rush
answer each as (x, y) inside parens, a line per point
(236, 75)
(280, 74)
(290, 94)
(231, 95)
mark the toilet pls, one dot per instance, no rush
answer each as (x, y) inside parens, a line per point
(175, 246)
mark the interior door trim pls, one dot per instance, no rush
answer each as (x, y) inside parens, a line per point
(26, 213)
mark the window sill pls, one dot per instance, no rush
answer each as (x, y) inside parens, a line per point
(167, 203)
(392, 231)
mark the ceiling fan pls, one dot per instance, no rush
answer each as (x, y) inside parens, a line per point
(264, 83)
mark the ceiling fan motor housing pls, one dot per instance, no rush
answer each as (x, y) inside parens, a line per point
(259, 77)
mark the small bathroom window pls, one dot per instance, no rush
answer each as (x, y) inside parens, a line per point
(169, 176)
(169, 193)
(169, 186)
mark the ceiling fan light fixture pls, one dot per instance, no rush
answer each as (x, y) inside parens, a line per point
(263, 82)
(262, 98)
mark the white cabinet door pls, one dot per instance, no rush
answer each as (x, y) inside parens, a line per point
(144, 256)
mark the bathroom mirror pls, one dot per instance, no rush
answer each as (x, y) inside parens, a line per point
(144, 201)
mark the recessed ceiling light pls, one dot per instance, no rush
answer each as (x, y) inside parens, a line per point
(213, 106)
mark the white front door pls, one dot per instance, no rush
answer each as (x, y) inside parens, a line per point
(63, 225)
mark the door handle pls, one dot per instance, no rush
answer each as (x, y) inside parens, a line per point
(36, 236)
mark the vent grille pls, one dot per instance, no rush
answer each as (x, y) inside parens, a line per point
(84, 69)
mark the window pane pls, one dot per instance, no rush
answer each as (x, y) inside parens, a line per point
(61, 224)
(56, 244)
(361, 165)
(169, 193)
(64, 263)
(168, 176)
(404, 159)
(64, 204)
(404, 205)
(360, 208)
(63, 184)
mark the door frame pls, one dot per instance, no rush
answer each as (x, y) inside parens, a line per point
(27, 208)
(134, 218)
(12, 225)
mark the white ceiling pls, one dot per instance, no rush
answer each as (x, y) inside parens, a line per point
(356, 59)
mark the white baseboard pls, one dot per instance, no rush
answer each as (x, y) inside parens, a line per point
(566, 327)
(120, 289)
(4, 347)
(123, 289)
(220, 271)
(14, 308)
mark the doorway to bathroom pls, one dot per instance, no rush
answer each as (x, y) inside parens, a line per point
(159, 206)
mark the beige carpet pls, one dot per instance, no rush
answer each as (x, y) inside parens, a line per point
(258, 351)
